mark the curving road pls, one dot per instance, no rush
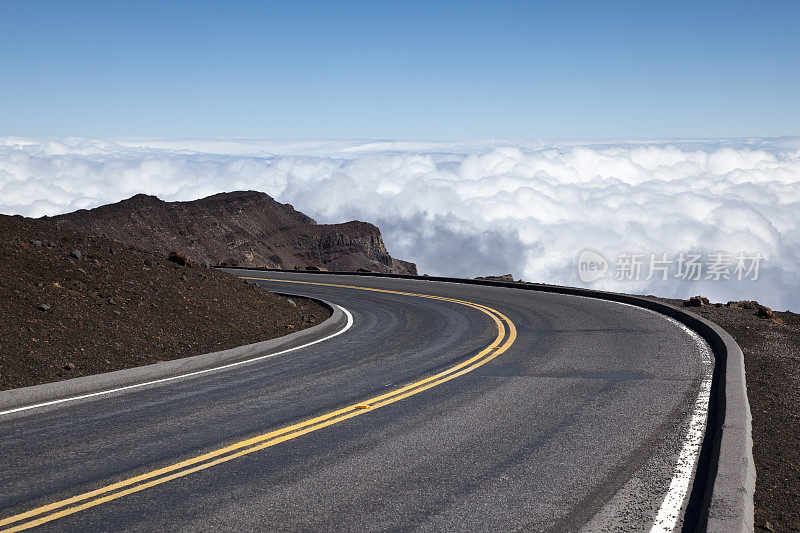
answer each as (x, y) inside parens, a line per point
(504, 410)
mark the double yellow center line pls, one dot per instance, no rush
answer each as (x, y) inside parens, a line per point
(506, 334)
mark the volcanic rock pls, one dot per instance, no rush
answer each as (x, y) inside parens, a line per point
(246, 226)
(696, 301)
(743, 304)
(766, 313)
(504, 277)
(179, 258)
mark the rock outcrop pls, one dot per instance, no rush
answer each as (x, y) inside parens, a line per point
(696, 301)
(179, 258)
(504, 277)
(244, 227)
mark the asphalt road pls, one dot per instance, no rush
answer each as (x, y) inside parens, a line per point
(578, 422)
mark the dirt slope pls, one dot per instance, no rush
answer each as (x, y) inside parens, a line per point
(73, 304)
(249, 227)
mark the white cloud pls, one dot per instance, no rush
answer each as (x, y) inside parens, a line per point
(470, 208)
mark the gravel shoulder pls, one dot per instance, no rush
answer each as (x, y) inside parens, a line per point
(73, 305)
(772, 364)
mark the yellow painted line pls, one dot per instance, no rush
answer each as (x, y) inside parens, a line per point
(247, 446)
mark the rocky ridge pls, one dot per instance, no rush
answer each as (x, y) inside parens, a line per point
(247, 228)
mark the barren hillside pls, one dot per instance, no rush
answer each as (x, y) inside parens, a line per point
(247, 226)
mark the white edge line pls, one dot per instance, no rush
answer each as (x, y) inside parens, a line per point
(190, 374)
(673, 504)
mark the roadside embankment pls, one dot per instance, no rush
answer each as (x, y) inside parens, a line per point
(74, 305)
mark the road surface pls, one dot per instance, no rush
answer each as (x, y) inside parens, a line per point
(444, 407)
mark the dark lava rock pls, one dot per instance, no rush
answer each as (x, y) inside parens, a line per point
(696, 301)
(43, 307)
(229, 262)
(77, 254)
(179, 258)
(504, 277)
(743, 304)
(766, 313)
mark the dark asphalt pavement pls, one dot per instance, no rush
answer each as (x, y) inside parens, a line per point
(591, 395)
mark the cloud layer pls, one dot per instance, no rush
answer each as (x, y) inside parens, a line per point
(472, 208)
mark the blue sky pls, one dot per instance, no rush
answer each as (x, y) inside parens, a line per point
(403, 70)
